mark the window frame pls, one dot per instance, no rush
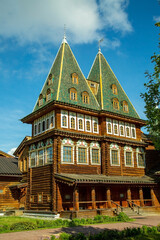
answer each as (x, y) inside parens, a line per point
(115, 101)
(128, 149)
(67, 142)
(114, 88)
(80, 117)
(133, 127)
(125, 105)
(114, 147)
(64, 114)
(85, 97)
(115, 123)
(82, 144)
(88, 118)
(72, 115)
(38, 194)
(121, 124)
(95, 145)
(140, 150)
(95, 120)
(48, 95)
(127, 125)
(73, 94)
(109, 122)
(74, 76)
(30, 153)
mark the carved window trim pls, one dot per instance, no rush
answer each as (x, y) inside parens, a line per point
(67, 142)
(125, 107)
(40, 100)
(74, 78)
(95, 125)
(64, 119)
(109, 125)
(72, 120)
(80, 117)
(133, 131)
(48, 95)
(121, 129)
(82, 145)
(140, 152)
(87, 123)
(85, 97)
(115, 103)
(114, 147)
(128, 149)
(73, 94)
(95, 146)
(114, 89)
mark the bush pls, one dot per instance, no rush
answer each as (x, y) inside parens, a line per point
(64, 236)
(20, 226)
(79, 236)
(4, 228)
(122, 217)
(98, 219)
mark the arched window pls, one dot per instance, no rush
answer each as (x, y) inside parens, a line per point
(64, 119)
(48, 95)
(50, 79)
(114, 89)
(75, 78)
(125, 106)
(114, 155)
(88, 126)
(140, 154)
(115, 103)
(128, 155)
(67, 150)
(95, 153)
(80, 124)
(95, 125)
(109, 125)
(40, 100)
(73, 94)
(72, 122)
(121, 129)
(85, 97)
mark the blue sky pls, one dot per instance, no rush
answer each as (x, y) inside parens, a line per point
(30, 36)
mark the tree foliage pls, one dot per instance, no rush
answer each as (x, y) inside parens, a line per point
(152, 99)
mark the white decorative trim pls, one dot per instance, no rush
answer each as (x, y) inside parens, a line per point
(87, 118)
(95, 120)
(80, 116)
(109, 121)
(95, 145)
(114, 147)
(121, 124)
(133, 128)
(115, 123)
(72, 115)
(128, 149)
(140, 150)
(67, 142)
(127, 125)
(82, 144)
(64, 113)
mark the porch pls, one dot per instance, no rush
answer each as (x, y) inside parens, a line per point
(104, 195)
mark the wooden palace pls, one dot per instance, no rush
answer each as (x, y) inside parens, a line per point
(86, 155)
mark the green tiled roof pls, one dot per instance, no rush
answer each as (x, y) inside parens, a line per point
(102, 74)
(64, 65)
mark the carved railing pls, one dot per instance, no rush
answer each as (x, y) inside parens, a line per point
(117, 206)
(133, 205)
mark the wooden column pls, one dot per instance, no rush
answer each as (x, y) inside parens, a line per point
(59, 200)
(152, 197)
(93, 197)
(129, 194)
(54, 170)
(141, 197)
(76, 199)
(108, 195)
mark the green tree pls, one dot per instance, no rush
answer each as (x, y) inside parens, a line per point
(152, 99)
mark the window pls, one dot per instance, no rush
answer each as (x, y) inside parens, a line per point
(85, 97)
(40, 100)
(35, 129)
(25, 165)
(47, 123)
(121, 129)
(39, 127)
(115, 127)
(72, 117)
(114, 89)
(75, 78)
(32, 159)
(115, 104)
(64, 119)
(82, 155)
(127, 128)
(95, 153)
(125, 106)
(40, 198)
(40, 157)
(67, 150)
(95, 125)
(43, 126)
(31, 198)
(128, 155)
(133, 131)
(52, 122)
(80, 118)
(140, 157)
(109, 125)
(88, 123)
(73, 94)
(50, 79)
(49, 155)
(48, 95)
(114, 155)
(82, 152)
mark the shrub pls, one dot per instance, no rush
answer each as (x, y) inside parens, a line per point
(98, 219)
(79, 236)
(122, 217)
(64, 236)
(53, 237)
(89, 221)
(23, 226)
(4, 227)
(83, 221)
(58, 222)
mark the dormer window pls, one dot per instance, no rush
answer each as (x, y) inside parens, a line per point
(125, 106)
(40, 100)
(75, 78)
(50, 79)
(73, 94)
(48, 95)
(115, 103)
(114, 89)
(85, 97)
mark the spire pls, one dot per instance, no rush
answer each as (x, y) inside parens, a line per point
(64, 36)
(99, 43)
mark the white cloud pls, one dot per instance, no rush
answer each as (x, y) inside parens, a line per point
(156, 18)
(43, 20)
(11, 151)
